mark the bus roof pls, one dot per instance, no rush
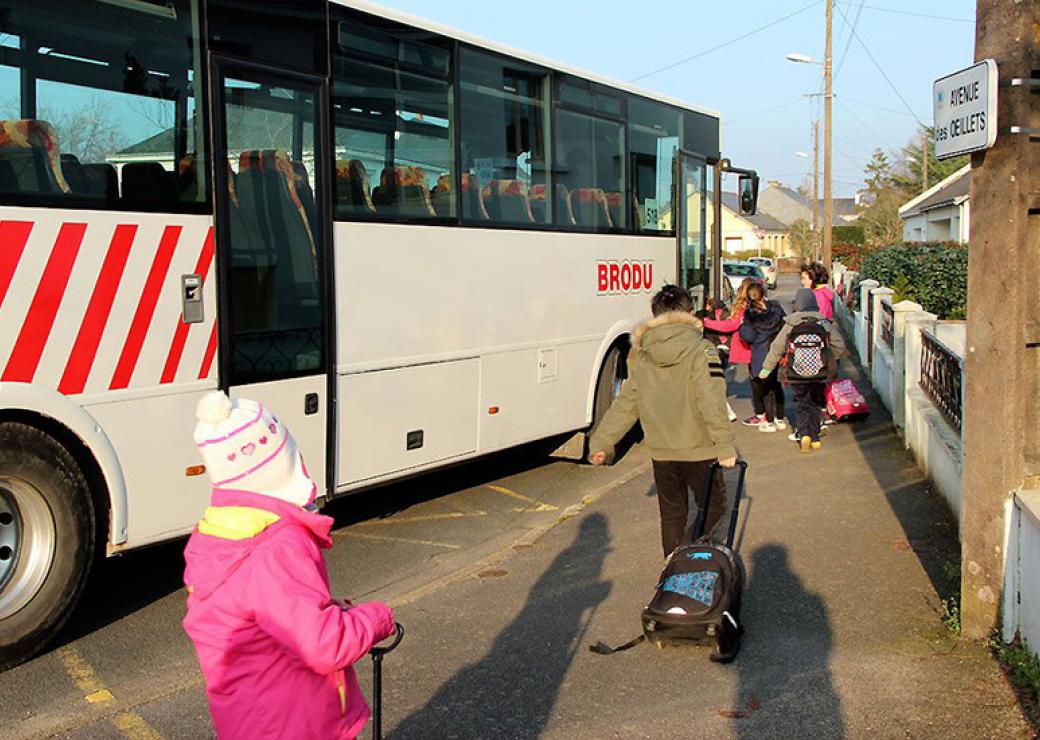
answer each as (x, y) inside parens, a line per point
(411, 20)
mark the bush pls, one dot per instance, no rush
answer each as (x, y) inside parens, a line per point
(934, 275)
(851, 234)
(850, 254)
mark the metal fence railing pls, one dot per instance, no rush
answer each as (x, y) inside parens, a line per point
(941, 378)
(887, 323)
(870, 328)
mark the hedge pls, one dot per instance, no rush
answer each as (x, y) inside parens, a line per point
(934, 275)
(851, 234)
(744, 254)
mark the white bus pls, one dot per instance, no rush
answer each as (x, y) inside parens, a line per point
(416, 246)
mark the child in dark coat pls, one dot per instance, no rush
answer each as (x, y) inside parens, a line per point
(763, 320)
(808, 395)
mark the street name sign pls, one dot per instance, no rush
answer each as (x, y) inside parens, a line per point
(965, 108)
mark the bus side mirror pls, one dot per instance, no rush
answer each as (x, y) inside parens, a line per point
(748, 195)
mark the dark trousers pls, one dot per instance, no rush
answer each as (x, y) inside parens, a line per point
(674, 479)
(808, 399)
(767, 397)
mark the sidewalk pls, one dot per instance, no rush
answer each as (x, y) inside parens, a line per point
(848, 554)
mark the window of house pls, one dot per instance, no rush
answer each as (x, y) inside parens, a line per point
(503, 112)
(653, 140)
(98, 104)
(392, 122)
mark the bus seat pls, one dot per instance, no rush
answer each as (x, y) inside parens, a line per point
(270, 203)
(187, 178)
(403, 191)
(102, 181)
(614, 201)
(148, 182)
(537, 197)
(74, 174)
(539, 203)
(352, 187)
(589, 206)
(506, 200)
(306, 192)
(440, 196)
(473, 208)
(30, 147)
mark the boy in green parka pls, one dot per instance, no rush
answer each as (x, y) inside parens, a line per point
(676, 389)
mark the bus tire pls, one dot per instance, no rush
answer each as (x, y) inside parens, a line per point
(47, 536)
(608, 385)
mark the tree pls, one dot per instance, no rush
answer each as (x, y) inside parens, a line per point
(878, 174)
(803, 240)
(910, 174)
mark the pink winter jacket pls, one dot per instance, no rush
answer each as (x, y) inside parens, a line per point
(275, 649)
(825, 300)
(739, 351)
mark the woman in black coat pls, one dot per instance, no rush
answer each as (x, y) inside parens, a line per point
(763, 320)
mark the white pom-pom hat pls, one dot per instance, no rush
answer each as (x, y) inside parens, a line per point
(246, 448)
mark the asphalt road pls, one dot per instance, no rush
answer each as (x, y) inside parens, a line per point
(123, 666)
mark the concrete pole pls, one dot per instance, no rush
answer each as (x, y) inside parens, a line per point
(1001, 408)
(926, 154)
(816, 185)
(828, 205)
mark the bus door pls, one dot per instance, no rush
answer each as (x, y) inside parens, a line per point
(270, 182)
(692, 218)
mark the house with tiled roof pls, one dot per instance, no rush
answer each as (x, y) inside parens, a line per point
(742, 233)
(788, 205)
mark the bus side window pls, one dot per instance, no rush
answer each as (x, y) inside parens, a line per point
(112, 92)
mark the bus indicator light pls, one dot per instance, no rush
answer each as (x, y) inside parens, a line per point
(493, 410)
(194, 470)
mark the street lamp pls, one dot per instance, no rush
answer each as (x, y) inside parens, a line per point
(802, 59)
(803, 155)
(828, 203)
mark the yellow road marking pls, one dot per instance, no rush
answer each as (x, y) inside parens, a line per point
(420, 518)
(537, 505)
(130, 724)
(134, 727)
(386, 538)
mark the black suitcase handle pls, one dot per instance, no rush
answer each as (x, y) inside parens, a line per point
(377, 654)
(709, 485)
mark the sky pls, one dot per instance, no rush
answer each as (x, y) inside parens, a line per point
(766, 117)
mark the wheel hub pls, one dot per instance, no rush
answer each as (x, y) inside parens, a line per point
(27, 542)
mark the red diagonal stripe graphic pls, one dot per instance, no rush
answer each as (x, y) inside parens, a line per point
(180, 334)
(211, 350)
(25, 358)
(14, 235)
(145, 308)
(84, 350)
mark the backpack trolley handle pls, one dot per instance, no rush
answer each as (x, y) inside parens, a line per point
(377, 654)
(709, 484)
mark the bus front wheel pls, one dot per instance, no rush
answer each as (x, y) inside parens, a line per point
(608, 386)
(46, 539)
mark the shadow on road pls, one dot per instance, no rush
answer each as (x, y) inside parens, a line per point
(786, 656)
(123, 585)
(512, 690)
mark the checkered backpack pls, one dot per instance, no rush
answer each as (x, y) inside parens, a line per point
(808, 357)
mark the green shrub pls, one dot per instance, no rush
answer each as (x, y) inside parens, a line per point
(850, 234)
(744, 254)
(934, 275)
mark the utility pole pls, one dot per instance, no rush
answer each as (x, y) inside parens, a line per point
(926, 154)
(828, 204)
(816, 185)
(1001, 434)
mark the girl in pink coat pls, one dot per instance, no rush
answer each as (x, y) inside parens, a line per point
(816, 278)
(739, 350)
(276, 650)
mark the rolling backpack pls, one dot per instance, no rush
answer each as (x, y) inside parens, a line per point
(808, 357)
(698, 596)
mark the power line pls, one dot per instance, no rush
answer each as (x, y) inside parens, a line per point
(862, 123)
(788, 104)
(727, 43)
(879, 68)
(848, 41)
(910, 13)
(878, 107)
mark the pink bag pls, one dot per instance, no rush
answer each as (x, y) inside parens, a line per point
(844, 400)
